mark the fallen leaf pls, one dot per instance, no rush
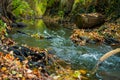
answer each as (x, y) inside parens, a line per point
(20, 75)
(14, 72)
(31, 76)
(23, 78)
(83, 71)
(29, 71)
(3, 69)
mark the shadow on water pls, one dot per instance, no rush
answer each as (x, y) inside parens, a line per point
(80, 57)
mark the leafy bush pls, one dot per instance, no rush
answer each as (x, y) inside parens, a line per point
(21, 7)
(2, 28)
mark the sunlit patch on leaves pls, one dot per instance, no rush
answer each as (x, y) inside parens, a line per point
(69, 74)
(38, 36)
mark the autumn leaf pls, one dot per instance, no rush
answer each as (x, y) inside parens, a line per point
(8, 56)
(3, 69)
(83, 72)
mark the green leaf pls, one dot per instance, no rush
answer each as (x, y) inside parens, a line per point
(76, 74)
(14, 72)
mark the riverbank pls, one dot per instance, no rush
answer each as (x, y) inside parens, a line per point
(22, 62)
(106, 33)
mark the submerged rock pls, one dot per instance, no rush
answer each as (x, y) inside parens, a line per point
(18, 24)
(110, 75)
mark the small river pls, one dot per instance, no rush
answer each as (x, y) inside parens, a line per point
(80, 57)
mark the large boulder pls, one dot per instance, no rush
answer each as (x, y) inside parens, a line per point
(89, 20)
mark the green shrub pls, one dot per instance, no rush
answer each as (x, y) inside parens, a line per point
(21, 8)
(3, 28)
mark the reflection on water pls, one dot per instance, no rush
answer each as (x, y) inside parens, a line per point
(84, 57)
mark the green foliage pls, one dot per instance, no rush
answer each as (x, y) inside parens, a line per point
(21, 7)
(3, 28)
(76, 74)
(50, 3)
(113, 9)
(40, 25)
(61, 14)
(110, 8)
(83, 6)
(41, 7)
(2, 24)
(38, 6)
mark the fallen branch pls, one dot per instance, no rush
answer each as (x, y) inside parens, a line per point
(104, 57)
(107, 55)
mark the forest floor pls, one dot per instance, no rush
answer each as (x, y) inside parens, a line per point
(28, 63)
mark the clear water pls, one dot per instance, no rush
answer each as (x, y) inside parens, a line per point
(80, 57)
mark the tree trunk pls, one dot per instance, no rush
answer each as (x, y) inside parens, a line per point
(5, 11)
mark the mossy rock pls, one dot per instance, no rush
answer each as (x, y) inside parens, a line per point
(89, 20)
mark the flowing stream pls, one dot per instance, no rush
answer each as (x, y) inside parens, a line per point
(80, 57)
